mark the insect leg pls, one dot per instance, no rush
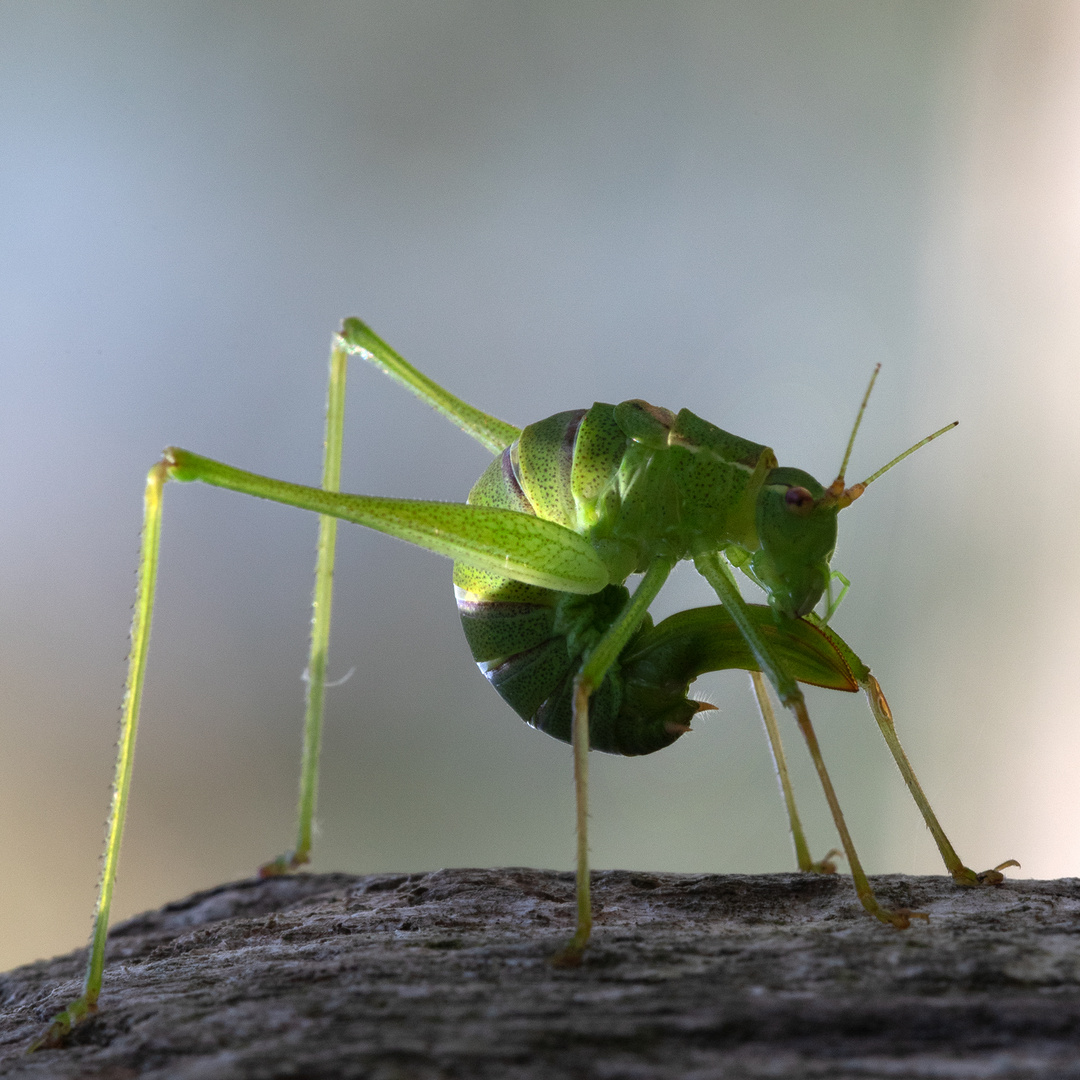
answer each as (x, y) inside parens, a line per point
(711, 566)
(776, 746)
(86, 1003)
(960, 873)
(508, 543)
(496, 435)
(830, 604)
(320, 623)
(588, 679)
(900, 918)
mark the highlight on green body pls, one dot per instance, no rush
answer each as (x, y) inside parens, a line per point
(567, 510)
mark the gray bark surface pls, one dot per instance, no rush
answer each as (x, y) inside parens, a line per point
(447, 974)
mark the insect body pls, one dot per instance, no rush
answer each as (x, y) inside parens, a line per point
(639, 483)
(568, 510)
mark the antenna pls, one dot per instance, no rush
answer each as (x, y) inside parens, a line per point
(900, 457)
(858, 421)
(845, 496)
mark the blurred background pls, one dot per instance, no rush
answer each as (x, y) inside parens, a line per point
(736, 207)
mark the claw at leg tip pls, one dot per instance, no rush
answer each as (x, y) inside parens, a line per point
(901, 917)
(995, 876)
(826, 865)
(567, 958)
(283, 864)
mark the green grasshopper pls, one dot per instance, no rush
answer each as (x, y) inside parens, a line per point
(568, 510)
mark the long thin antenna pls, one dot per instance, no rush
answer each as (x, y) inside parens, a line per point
(836, 493)
(896, 460)
(846, 496)
(858, 421)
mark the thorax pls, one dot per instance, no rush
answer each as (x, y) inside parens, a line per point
(637, 480)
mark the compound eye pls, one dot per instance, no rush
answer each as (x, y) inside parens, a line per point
(799, 501)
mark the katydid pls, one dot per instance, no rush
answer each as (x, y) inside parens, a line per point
(567, 511)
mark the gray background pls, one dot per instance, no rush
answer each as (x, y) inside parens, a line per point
(736, 207)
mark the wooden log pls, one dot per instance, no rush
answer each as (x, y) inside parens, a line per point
(446, 974)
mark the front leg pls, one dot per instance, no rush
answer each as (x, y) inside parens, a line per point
(711, 566)
(960, 873)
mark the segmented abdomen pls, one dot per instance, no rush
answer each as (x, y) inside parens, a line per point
(529, 641)
(635, 480)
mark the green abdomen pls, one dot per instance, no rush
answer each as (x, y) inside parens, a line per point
(528, 641)
(635, 480)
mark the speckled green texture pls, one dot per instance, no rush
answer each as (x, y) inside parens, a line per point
(636, 481)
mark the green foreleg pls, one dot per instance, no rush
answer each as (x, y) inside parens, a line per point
(960, 873)
(86, 1004)
(713, 568)
(831, 605)
(588, 679)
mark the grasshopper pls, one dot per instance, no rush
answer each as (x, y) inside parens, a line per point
(567, 511)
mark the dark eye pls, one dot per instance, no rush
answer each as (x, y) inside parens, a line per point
(799, 501)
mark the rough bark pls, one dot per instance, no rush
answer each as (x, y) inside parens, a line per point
(446, 975)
